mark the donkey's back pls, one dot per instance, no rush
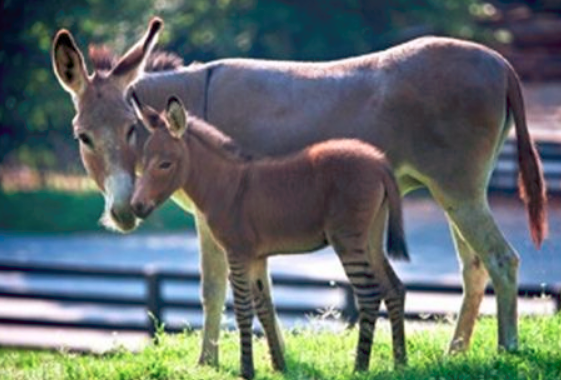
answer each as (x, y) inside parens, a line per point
(396, 98)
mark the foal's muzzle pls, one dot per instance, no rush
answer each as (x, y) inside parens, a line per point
(142, 210)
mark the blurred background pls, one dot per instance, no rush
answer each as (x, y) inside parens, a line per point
(49, 209)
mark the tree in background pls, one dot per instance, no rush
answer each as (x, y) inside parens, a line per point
(35, 113)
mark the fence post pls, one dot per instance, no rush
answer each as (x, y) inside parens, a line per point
(153, 300)
(556, 293)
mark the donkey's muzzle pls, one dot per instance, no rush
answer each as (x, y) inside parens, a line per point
(142, 210)
(124, 220)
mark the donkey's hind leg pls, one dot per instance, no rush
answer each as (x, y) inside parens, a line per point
(473, 221)
(475, 278)
(263, 304)
(352, 254)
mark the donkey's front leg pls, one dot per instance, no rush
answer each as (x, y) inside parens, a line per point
(214, 275)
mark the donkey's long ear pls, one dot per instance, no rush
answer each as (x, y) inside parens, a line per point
(129, 67)
(68, 64)
(177, 117)
(147, 115)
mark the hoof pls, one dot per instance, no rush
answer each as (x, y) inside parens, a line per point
(209, 358)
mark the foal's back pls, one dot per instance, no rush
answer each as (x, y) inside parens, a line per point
(291, 201)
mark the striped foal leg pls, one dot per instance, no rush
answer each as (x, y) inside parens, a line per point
(240, 281)
(395, 304)
(368, 293)
(263, 304)
(394, 291)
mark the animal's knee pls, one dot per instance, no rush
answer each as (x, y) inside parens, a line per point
(213, 294)
(399, 289)
(505, 261)
(396, 291)
(503, 267)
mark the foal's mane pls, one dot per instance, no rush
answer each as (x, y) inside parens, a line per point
(104, 59)
(215, 139)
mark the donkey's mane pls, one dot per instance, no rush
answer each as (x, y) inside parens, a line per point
(104, 59)
(215, 139)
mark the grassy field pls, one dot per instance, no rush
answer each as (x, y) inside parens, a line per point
(55, 211)
(312, 355)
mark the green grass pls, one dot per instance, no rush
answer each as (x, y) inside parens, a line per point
(51, 211)
(313, 355)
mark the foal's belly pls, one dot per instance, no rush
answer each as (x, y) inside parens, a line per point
(295, 244)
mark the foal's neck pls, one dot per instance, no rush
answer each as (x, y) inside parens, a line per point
(215, 173)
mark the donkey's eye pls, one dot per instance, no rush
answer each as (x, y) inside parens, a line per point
(86, 140)
(165, 165)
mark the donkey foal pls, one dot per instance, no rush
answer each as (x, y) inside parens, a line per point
(339, 192)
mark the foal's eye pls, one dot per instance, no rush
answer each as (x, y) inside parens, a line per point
(86, 140)
(165, 165)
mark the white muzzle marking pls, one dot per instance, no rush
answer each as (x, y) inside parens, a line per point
(119, 187)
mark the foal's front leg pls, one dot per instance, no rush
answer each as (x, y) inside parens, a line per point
(240, 281)
(263, 304)
(214, 273)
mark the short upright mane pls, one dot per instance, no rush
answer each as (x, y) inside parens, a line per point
(104, 59)
(215, 139)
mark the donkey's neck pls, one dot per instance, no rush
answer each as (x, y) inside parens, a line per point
(187, 83)
(214, 177)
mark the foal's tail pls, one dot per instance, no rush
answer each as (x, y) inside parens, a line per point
(396, 246)
(531, 182)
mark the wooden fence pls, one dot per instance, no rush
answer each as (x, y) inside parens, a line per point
(154, 302)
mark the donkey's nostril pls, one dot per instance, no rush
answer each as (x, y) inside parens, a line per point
(114, 215)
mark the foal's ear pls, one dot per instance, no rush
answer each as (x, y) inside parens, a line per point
(68, 64)
(149, 117)
(129, 67)
(177, 117)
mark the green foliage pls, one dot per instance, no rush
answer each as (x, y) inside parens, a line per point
(312, 354)
(57, 212)
(36, 114)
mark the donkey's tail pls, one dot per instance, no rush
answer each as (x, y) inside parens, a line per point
(531, 183)
(396, 246)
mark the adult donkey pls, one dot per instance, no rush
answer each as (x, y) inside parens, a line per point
(439, 108)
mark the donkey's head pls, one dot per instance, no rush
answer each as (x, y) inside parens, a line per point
(105, 123)
(165, 156)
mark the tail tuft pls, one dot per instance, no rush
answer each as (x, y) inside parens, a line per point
(531, 182)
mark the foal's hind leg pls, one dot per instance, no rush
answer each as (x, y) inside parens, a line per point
(474, 281)
(263, 304)
(472, 220)
(352, 254)
(394, 294)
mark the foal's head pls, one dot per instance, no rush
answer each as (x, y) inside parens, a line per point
(104, 121)
(165, 156)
